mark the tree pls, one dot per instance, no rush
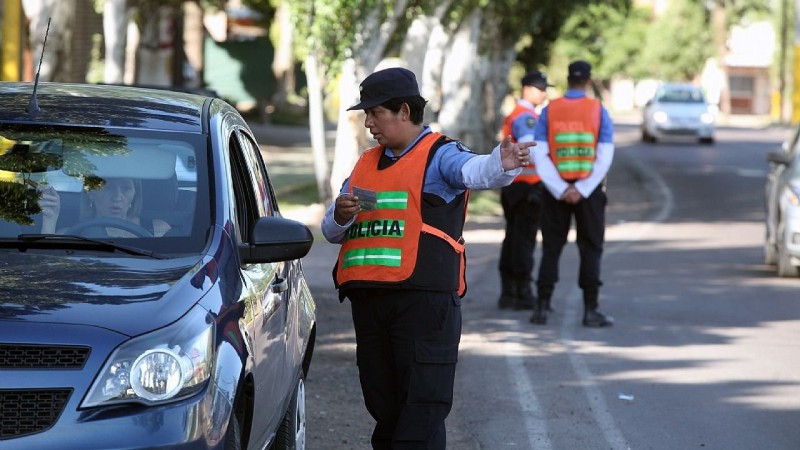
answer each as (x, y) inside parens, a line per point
(679, 42)
(461, 51)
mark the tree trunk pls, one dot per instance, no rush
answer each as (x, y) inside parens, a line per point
(317, 127)
(283, 62)
(153, 64)
(349, 134)
(193, 41)
(463, 77)
(115, 22)
(38, 13)
(720, 38)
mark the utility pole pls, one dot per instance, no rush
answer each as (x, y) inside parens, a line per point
(778, 104)
(796, 72)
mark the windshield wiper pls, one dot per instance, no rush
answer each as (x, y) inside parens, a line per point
(107, 245)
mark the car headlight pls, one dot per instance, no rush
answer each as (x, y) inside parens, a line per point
(660, 117)
(167, 364)
(792, 196)
(707, 118)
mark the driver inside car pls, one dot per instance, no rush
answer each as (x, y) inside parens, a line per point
(117, 200)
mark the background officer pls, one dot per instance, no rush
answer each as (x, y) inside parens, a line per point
(520, 201)
(575, 148)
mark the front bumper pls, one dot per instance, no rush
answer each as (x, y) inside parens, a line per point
(41, 405)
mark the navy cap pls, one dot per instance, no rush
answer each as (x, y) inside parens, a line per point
(579, 71)
(386, 84)
(536, 79)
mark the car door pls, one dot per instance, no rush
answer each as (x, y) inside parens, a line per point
(771, 191)
(266, 289)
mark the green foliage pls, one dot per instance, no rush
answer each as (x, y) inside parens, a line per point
(679, 42)
(18, 203)
(605, 35)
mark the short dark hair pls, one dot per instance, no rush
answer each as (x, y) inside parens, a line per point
(416, 106)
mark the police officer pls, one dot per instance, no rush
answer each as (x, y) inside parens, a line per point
(575, 148)
(520, 201)
(399, 218)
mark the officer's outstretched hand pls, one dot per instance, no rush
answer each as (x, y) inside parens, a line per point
(515, 154)
(346, 207)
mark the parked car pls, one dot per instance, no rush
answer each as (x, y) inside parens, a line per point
(678, 109)
(782, 202)
(151, 293)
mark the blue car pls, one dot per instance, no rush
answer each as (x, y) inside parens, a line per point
(151, 293)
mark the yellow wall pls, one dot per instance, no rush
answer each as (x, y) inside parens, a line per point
(12, 45)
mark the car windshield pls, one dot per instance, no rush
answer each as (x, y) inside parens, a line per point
(142, 189)
(687, 94)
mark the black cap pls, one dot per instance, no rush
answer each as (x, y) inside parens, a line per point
(386, 84)
(536, 79)
(579, 71)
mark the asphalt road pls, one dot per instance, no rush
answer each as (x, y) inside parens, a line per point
(704, 353)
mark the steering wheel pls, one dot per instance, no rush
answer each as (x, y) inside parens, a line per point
(110, 222)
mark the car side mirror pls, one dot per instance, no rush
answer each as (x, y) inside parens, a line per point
(779, 157)
(274, 239)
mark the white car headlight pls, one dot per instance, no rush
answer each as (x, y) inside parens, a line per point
(660, 117)
(167, 364)
(707, 118)
(792, 196)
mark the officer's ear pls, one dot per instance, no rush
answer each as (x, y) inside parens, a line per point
(404, 111)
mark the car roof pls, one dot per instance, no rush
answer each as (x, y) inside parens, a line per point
(104, 106)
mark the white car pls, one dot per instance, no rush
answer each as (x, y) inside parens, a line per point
(678, 109)
(782, 201)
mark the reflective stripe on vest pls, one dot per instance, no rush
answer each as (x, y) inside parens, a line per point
(528, 174)
(573, 126)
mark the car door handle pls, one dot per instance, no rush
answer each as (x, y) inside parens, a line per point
(279, 285)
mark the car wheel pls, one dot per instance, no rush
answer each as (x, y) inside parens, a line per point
(292, 433)
(707, 140)
(770, 255)
(233, 438)
(647, 137)
(785, 267)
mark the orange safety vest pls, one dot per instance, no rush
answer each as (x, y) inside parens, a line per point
(528, 174)
(382, 246)
(573, 125)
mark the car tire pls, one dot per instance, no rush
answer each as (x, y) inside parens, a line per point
(292, 432)
(233, 438)
(770, 254)
(706, 140)
(647, 137)
(785, 267)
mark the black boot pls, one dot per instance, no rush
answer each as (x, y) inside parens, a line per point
(539, 316)
(508, 292)
(593, 318)
(525, 298)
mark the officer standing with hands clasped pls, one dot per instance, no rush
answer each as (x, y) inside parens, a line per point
(521, 202)
(575, 148)
(399, 219)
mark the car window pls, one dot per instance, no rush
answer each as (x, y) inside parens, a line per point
(258, 174)
(105, 184)
(680, 95)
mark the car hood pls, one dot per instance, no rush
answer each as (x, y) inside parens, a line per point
(127, 295)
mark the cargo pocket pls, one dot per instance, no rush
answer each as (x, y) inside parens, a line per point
(430, 391)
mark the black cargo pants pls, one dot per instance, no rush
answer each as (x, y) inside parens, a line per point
(407, 348)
